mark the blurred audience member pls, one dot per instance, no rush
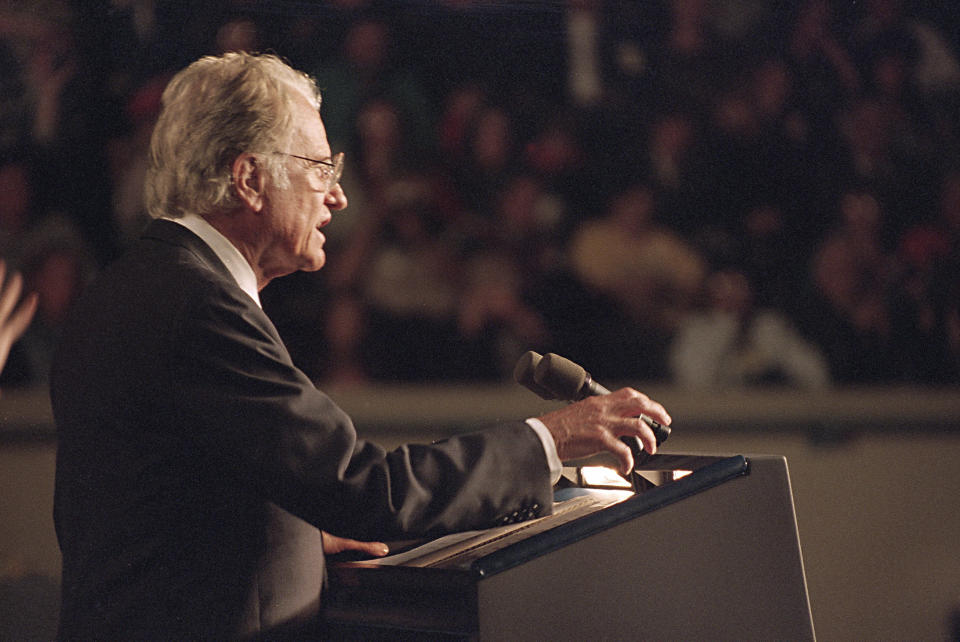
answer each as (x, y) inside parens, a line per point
(852, 274)
(128, 159)
(688, 63)
(772, 257)
(366, 69)
(17, 213)
(733, 343)
(132, 33)
(640, 264)
(935, 67)
(239, 33)
(69, 118)
(411, 332)
(490, 160)
(926, 304)
(344, 331)
(494, 317)
(56, 266)
(52, 65)
(671, 142)
(462, 106)
(383, 147)
(817, 55)
(584, 72)
(417, 325)
(873, 154)
(753, 151)
(556, 156)
(516, 255)
(643, 268)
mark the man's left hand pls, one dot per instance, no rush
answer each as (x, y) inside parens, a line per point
(333, 545)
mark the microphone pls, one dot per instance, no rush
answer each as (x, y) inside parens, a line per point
(566, 379)
(523, 373)
(554, 377)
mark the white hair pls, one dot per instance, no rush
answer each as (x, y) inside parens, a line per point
(214, 110)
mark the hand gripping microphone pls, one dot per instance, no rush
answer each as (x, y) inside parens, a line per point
(554, 377)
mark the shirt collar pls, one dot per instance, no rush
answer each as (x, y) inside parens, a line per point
(237, 265)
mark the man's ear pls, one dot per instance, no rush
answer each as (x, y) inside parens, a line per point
(249, 181)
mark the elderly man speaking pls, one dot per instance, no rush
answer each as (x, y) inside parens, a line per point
(198, 469)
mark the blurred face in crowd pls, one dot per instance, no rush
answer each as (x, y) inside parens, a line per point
(860, 211)
(293, 216)
(950, 200)
(633, 210)
(730, 292)
(15, 197)
(58, 281)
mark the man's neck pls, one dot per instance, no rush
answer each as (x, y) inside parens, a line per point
(237, 229)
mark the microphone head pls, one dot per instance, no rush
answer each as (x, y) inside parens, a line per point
(523, 373)
(564, 378)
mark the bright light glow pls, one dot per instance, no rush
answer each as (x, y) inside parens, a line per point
(603, 476)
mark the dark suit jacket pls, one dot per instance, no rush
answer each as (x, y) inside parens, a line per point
(196, 463)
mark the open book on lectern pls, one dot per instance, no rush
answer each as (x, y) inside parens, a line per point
(583, 490)
(459, 550)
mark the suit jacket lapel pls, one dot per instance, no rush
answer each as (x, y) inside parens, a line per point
(173, 233)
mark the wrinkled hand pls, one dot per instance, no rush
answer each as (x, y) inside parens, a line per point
(14, 318)
(596, 424)
(333, 545)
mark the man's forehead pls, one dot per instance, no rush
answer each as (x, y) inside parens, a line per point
(309, 126)
(302, 93)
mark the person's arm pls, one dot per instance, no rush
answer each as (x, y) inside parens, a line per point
(238, 399)
(14, 317)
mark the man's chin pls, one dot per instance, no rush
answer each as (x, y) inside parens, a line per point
(314, 263)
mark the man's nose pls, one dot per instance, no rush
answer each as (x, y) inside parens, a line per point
(336, 198)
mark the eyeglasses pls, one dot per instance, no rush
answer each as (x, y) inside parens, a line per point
(330, 171)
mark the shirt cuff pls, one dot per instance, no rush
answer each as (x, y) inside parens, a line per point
(549, 449)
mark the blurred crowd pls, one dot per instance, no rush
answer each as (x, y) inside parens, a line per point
(711, 193)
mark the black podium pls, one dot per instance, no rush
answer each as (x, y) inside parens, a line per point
(712, 555)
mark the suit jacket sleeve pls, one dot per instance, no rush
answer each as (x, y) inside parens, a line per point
(242, 401)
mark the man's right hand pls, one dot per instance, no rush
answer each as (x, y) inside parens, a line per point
(596, 424)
